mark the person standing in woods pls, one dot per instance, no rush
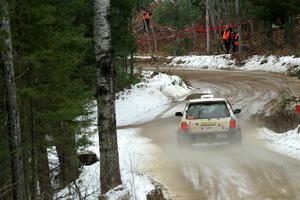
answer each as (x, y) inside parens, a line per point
(226, 36)
(235, 42)
(146, 20)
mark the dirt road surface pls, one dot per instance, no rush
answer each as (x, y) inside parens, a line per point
(246, 171)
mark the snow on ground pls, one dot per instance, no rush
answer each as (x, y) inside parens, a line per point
(211, 62)
(254, 63)
(286, 143)
(177, 108)
(141, 103)
(135, 183)
(144, 101)
(142, 57)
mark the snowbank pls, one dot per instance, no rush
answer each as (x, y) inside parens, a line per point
(272, 63)
(254, 63)
(142, 57)
(141, 103)
(286, 143)
(144, 101)
(135, 183)
(203, 62)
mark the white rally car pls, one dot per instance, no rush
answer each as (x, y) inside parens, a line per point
(207, 120)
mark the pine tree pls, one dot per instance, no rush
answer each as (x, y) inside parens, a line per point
(276, 12)
(55, 63)
(13, 128)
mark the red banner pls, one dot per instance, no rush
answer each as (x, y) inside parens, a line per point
(202, 29)
(187, 32)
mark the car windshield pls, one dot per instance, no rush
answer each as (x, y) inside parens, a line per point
(207, 110)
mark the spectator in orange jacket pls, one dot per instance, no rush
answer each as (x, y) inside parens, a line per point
(146, 20)
(235, 42)
(226, 36)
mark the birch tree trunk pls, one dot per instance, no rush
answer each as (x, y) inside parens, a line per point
(109, 157)
(238, 17)
(207, 27)
(14, 134)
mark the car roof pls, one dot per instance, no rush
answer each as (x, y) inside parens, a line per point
(206, 100)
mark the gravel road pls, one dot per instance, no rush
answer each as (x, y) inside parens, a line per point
(246, 171)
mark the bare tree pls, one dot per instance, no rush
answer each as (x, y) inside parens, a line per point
(226, 11)
(207, 27)
(109, 157)
(192, 22)
(13, 129)
(238, 17)
(213, 16)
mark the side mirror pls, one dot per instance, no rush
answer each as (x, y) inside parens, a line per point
(236, 111)
(178, 114)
